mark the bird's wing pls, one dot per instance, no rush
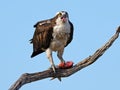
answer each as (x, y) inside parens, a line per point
(71, 33)
(42, 37)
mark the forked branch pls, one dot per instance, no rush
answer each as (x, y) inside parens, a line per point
(31, 77)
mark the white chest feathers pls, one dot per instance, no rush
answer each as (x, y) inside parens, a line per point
(60, 36)
(61, 30)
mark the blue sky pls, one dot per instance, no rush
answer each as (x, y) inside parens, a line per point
(94, 22)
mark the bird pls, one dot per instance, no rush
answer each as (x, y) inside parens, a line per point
(52, 35)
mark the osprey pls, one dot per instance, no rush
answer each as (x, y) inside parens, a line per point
(52, 35)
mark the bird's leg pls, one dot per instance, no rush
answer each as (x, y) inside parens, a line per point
(60, 54)
(49, 56)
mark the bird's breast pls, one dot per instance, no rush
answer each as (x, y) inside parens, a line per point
(59, 42)
(60, 37)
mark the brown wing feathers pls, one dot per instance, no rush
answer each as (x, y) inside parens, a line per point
(42, 37)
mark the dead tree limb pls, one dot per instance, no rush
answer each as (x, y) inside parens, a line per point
(31, 77)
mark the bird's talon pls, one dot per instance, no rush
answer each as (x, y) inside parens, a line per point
(53, 68)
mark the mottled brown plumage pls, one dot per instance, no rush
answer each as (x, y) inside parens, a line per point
(42, 37)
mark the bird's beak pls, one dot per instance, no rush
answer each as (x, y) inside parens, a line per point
(64, 18)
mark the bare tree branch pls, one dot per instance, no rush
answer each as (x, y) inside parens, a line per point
(31, 77)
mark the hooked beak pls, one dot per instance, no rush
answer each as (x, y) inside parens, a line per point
(64, 18)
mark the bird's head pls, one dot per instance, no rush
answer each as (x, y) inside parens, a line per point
(62, 17)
